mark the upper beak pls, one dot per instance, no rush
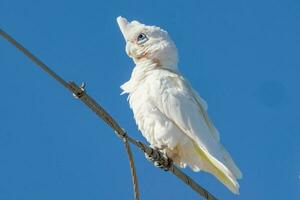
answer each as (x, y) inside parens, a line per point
(123, 25)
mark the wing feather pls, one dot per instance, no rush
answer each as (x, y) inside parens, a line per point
(180, 104)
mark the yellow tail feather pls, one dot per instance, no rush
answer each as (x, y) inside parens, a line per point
(218, 169)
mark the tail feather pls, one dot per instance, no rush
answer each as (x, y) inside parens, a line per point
(228, 161)
(218, 169)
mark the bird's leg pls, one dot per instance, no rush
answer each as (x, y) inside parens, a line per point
(150, 157)
(159, 158)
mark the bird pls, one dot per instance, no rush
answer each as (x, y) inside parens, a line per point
(169, 113)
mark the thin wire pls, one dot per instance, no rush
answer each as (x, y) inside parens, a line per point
(81, 94)
(133, 170)
(76, 92)
(34, 58)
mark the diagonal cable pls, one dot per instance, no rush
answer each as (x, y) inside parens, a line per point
(81, 94)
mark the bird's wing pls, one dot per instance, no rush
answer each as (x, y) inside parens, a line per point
(187, 110)
(203, 108)
(181, 105)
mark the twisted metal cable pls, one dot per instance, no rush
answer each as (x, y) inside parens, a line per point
(133, 170)
(81, 94)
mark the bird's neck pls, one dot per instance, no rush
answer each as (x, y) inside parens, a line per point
(140, 72)
(149, 64)
(145, 65)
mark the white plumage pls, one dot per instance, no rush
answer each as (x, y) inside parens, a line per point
(168, 112)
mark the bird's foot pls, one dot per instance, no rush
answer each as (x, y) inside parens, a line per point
(159, 158)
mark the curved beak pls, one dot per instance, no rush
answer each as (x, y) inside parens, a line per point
(123, 25)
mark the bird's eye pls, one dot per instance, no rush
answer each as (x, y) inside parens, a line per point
(142, 38)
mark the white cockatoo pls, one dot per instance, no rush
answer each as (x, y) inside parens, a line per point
(168, 112)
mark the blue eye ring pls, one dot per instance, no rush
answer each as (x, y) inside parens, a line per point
(142, 38)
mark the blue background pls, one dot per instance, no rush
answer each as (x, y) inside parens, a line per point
(241, 56)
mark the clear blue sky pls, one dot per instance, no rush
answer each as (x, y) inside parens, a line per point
(241, 56)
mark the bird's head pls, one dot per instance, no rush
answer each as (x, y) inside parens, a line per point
(148, 43)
